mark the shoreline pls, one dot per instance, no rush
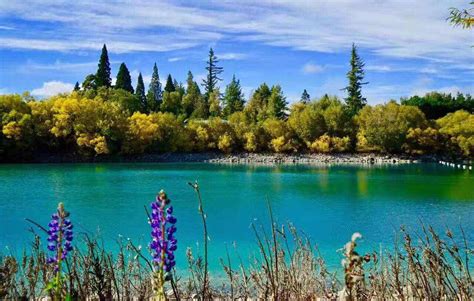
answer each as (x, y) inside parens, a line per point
(238, 158)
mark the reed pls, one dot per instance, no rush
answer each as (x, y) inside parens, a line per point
(286, 266)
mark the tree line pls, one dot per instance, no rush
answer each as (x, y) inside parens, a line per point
(99, 118)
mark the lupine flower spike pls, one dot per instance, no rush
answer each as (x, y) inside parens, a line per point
(59, 244)
(163, 243)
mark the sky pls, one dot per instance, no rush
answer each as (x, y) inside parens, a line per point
(408, 46)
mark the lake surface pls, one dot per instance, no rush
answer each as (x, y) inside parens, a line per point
(327, 203)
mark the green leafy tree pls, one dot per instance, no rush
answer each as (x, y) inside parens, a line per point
(305, 98)
(171, 102)
(436, 105)
(257, 105)
(169, 87)
(103, 71)
(277, 104)
(385, 127)
(124, 81)
(140, 92)
(89, 82)
(192, 97)
(154, 96)
(354, 99)
(76, 87)
(213, 72)
(233, 98)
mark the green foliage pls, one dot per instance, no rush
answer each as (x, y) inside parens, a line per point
(257, 105)
(354, 99)
(385, 127)
(459, 127)
(277, 104)
(154, 96)
(124, 81)
(171, 102)
(89, 83)
(233, 98)
(215, 103)
(213, 72)
(77, 87)
(328, 144)
(140, 92)
(436, 105)
(16, 125)
(101, 120)
(192, 98)
(305, 98)
(169, 87)
(462, 17)
(102, 77)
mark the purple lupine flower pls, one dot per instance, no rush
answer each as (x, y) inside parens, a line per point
(163, 243)
(60, 237)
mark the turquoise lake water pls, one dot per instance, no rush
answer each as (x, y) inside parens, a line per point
(327, 203)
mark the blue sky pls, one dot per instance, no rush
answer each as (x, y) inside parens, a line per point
(409, 48)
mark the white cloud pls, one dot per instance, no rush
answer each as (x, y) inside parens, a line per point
(415, 29)
(175, 59)
(62, 66)
(3, 27)
(309, 68)
(379, 68)
(231, 56)
(52, 88)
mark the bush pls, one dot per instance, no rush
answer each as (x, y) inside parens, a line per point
(385, 127)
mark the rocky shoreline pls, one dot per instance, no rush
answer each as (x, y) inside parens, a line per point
(240, 158)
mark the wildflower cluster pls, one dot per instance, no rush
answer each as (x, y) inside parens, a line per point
(164, 243)
(60, 237)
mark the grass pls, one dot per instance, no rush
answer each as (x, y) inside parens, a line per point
(287, 266)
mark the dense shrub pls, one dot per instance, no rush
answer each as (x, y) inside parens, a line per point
(385, 127)
(107, 122)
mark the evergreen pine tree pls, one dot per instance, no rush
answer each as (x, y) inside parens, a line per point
(277, 105)
(192, 97)
(233, 97)
(140, 92)
(76, 87)
(258, 103)
(354, 99)
(169, 87)
(154, 96)
(103, 71)
(213, 71)
(124, 81)
(305, 98)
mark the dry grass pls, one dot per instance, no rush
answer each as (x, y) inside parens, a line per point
(424, 266)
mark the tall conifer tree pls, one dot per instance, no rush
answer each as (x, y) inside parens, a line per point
(354, 99)
(102, 77)
(213, 71)
(169, 87)
(154, 96)
(124, 81)
(305, 98)
(140, 92)
(233, 97)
